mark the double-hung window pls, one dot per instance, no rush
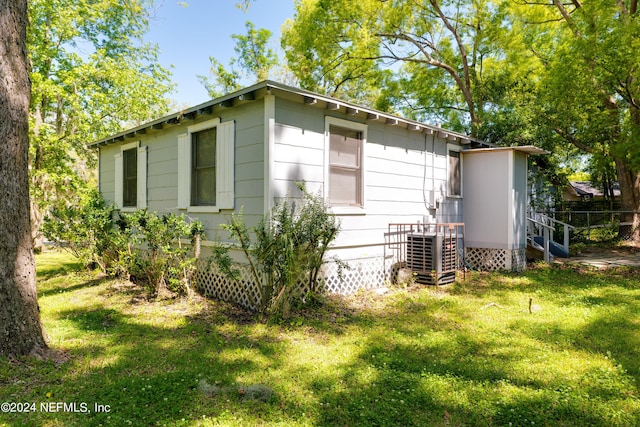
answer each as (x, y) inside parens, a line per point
(203, 168)
(131, 177)
(206, 167)
(454, 185)
(345, 164)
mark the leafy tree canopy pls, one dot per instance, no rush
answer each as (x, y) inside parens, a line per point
(92, 75)
(449, 61)
(255, 60)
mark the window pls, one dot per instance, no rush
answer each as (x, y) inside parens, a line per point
(454, 186)
(203, 168)
(131, 177)
(345, 158)
(206, 167)
(345, 167)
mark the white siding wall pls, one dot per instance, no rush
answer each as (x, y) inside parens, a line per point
(401, 171)
(495, 190)
(486, 190)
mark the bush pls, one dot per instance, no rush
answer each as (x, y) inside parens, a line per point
(289, 249)
(145, 247)
(89, 231)
(157, 256)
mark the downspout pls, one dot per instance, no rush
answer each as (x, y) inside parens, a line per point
(99, 172)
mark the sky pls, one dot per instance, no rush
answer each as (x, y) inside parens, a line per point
(188, 36)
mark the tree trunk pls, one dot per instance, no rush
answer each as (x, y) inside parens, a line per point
(21, 332)
(630, 199)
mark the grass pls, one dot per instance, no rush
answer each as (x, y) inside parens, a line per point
(553, 346)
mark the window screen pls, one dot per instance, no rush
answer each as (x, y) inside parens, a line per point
(203, 173)
(345, 167)
(130, 178)
(455, 176)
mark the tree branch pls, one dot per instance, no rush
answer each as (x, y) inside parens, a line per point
(466, 87)
(573, 140)
(567, 16)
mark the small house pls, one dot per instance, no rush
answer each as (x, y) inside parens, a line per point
(247, 149)
(586, 191)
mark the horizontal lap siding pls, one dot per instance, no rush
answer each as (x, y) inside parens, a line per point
(398, 178)
(298, 149)
(162, 170)
(400, 173)
(249, 172)
(106, 173)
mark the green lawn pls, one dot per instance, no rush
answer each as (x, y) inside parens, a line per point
(471, 353)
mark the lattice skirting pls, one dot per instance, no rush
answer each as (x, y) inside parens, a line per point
(364, 273)
(212, 282)
(361, 274)
(496, 259)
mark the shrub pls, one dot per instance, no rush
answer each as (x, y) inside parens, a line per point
(144, 246)
(89, 231)
(289, 249)
(157, 256)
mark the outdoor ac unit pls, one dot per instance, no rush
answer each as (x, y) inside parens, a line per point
(432, 258)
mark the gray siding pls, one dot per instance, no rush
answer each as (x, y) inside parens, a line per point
(401, 171)
(162, 167)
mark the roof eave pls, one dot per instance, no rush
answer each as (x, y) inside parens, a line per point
(248, 94)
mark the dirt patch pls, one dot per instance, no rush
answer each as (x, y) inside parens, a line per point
(627, 255)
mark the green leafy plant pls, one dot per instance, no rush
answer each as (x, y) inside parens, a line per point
(88, 230)
(289, 250)
(157, 256)
(145, 247)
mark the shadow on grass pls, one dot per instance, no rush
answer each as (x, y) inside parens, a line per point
(418, 361)
(50, 270)
(67, 288)
(144, 375)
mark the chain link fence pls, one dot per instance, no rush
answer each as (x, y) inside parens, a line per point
(594, 226)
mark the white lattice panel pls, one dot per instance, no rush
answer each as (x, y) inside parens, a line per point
(496, 259)
(361, 274)
(212, 282)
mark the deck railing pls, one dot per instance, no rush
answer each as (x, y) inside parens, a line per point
(539, 224)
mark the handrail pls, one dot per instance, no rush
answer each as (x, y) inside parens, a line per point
(540, 223)
(545, 222)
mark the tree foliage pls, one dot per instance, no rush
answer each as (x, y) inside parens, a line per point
(557, 74)
(255, 60)
(143, 246)
(92, 75)
(448, 61)
(588, 87)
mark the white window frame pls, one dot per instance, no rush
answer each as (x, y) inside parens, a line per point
(141, 202)
(458, 149)
(225, 166)
(359, 127)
